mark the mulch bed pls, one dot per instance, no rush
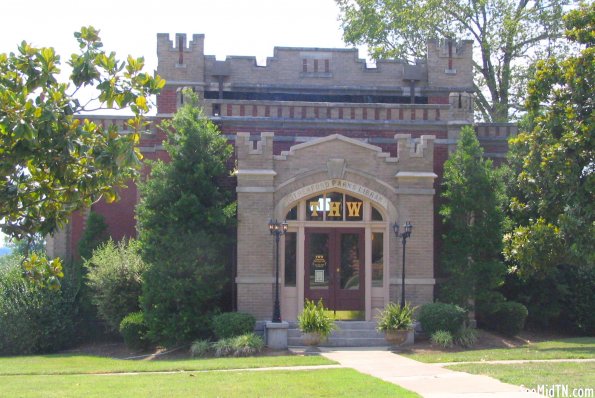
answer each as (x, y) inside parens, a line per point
(486, 340)
(118, 350)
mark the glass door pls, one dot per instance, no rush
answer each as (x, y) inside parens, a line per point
(335, 270)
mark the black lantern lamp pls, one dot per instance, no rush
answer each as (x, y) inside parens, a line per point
(276, 228)
(403, 235)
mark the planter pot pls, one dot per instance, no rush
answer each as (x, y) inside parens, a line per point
(312, 339)
(396, 337)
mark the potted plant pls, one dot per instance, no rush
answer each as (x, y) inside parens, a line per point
(315, 324)
(396, 322)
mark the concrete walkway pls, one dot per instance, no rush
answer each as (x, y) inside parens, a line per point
(427, 380)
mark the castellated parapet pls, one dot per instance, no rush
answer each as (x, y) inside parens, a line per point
(299, 69)
(450, 64)
(254, 152)
(180, 63)
(416, 154)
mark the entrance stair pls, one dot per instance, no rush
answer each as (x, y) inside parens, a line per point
(348, 334)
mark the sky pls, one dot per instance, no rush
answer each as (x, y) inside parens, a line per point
(231, 27)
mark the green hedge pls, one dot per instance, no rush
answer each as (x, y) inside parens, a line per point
(232, 324)
(441, 316)
(34, 319)
(134, 331)
(507, 318)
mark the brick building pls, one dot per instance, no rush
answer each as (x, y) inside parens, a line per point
(340, 150)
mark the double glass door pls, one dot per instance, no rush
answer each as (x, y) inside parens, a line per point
(335, 269)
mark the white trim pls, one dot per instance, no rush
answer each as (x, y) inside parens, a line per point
(413, 281)
(416, 174)
(255, 190)
(256, 172)
(368, 273)
(255, 279)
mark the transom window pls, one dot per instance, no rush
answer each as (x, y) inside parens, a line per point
(334, 206)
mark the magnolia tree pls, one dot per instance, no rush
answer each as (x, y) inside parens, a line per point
(554, 159)
(53, 162)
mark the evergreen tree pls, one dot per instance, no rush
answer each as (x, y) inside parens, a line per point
(553, 203)
(473, 220)
(184, 218)
(94, 235)
(551, 248)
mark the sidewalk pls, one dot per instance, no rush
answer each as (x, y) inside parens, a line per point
(427, 380)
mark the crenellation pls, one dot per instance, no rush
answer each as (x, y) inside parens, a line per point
(450, 64)
(181, 63)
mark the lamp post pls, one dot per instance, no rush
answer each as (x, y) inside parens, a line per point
(276, 228)
(404, 235)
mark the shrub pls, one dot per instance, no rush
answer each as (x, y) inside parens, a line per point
(114, 276)
(34, 319)
(442, 338)
(393, 317)
(244, 345)
(223, 347)
(134, 331)
(247, 344)
(441, 316)
(562, 299)
(577, 304)
(314, 319)
(466, 337)
(507, 318)
(231, 324)
(201, 348)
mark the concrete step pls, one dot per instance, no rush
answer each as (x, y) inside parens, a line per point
(349, 334)
(345, 342)
(295, 333)
(346, 325)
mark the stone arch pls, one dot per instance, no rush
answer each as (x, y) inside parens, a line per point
(355, 184)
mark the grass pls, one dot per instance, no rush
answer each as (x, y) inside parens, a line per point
(75, 363)
(571, 348)
(312, 383)
(531, 375)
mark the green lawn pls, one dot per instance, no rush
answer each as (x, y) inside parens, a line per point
(572, 348)
(270, 383)
(76, 363)
(531, 375)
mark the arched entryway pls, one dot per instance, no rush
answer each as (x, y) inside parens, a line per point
(336, 249)
(339, 192)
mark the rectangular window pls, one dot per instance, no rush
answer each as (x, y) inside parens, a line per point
(304, 65)
(290, 258)
(377, 258)
(315, 65)
(327, 67)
